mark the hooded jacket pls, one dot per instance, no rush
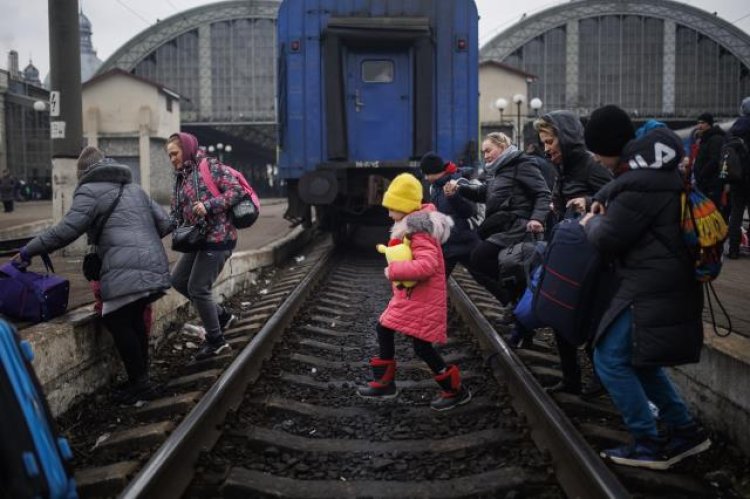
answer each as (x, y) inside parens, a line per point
(130, 246)
(189, 188)
(579, 175)
(654, 274)
(421, 311)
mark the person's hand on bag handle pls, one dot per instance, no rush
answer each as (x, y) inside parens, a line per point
(21, 259)
(588, 216)
(579, 204)
(598, 208)
(534, 226)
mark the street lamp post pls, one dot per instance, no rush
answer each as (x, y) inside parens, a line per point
(518, 99)
(500, 105)
(536, 105)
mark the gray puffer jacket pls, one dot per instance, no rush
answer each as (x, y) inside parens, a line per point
(133, 256)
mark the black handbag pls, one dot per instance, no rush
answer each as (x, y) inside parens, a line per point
(189, 238)
(92, 262)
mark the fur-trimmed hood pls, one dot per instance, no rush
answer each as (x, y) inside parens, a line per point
(106, 170)
(427, 220)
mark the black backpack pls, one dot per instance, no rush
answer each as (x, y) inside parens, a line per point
(735, 161)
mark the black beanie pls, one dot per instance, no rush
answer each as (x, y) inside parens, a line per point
(706, 118)
(608, 130)
(431, 163)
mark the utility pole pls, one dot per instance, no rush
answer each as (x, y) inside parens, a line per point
(66, 122)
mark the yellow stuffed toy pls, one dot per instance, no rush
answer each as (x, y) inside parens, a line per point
(398, 251)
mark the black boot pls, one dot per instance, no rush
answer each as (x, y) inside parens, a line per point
(384, 384)
(593, 389)
(564, 387)
(453, 394)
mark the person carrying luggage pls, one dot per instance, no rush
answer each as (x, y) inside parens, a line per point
(517, 201)
(197, 269)
(579, 178)
(655, 316)
(134, 266)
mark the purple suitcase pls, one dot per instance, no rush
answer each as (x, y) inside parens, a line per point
(30, 296)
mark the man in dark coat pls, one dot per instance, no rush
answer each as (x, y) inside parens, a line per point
(463, 239)
(654, 318)
(706, 168)
(739, 194)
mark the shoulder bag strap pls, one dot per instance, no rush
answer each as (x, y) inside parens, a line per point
(106, 216)
(208, 179)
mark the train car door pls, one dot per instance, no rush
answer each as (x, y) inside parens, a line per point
(379, 105)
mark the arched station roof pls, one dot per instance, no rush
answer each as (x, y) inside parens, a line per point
(727, 35)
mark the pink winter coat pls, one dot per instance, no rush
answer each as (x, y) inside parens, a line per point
(421, 311)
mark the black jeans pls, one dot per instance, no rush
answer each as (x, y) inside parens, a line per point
(423, 349)
(128, 329)
(8, 205)
(484, 268)
(569, 366)
(739, 198)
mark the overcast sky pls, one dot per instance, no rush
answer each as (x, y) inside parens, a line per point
(23, 23)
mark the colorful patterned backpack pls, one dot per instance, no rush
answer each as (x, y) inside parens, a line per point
(704, 231)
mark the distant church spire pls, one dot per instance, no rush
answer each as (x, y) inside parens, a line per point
(89, 61)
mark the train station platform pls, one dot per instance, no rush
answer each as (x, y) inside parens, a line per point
(74, 356)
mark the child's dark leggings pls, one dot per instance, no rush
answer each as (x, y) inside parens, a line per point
(423, 349)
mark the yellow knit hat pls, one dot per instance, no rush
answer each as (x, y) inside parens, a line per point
(404, 194)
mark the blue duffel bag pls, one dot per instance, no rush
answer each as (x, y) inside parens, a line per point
(35, 460)
(524, 309)
(564, 299)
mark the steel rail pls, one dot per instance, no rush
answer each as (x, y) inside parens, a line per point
(170, 470)
(579, 470)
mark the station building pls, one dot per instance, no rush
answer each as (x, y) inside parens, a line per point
(653, 58)
(221, 60)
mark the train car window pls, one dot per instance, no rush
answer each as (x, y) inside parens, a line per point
(377, 71)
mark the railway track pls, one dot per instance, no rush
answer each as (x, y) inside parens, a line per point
(283, 419)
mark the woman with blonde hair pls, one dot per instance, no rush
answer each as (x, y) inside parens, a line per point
(517, 201)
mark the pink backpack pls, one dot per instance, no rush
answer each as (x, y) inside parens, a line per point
(244, 213)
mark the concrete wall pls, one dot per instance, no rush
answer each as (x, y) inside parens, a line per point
(717, 388)
(162, 172)
(75, 355)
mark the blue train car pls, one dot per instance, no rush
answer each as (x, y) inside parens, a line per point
(365, 88)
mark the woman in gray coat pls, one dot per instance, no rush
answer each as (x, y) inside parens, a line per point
(135, 269)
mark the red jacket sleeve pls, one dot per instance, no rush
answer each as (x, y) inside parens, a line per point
(425, 254)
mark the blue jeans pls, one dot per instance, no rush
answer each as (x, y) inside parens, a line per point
(632, 387)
